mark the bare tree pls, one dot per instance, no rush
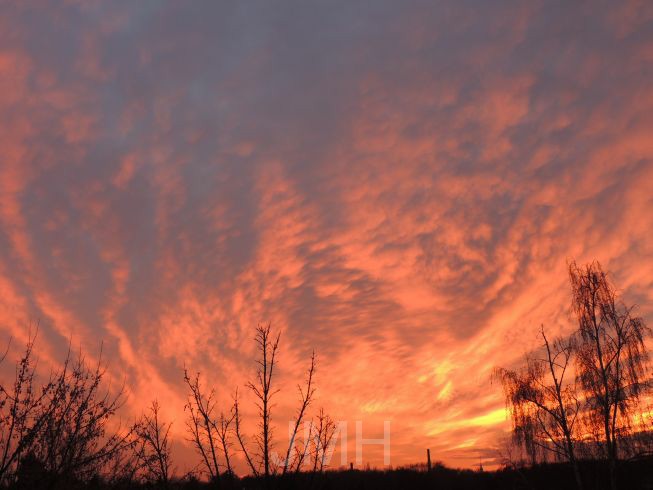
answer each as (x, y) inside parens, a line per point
(268, 345)
(154, 445)
(224, 430)
(544, 406)
(262, 388)
(202, 427)
(23, 412)
(64, 426)
(612, 356)
(325, 429)
(76, 439)
(305, 396)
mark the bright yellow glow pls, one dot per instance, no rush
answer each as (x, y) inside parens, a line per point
(494, 417)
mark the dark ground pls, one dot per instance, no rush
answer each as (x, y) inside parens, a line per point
(633, 475)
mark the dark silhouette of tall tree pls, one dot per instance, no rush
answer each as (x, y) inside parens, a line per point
(544, 405)
(612, 356)
(261, 462)
(268, 346)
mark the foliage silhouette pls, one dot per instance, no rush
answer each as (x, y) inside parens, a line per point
(599, 411)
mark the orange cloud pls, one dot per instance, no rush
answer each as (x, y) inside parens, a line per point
(398, 188)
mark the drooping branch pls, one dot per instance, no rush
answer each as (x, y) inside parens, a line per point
(542, 402)
(612, 356)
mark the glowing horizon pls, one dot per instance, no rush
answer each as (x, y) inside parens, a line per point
(399, 187)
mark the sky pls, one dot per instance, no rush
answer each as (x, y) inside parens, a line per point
(397, 185)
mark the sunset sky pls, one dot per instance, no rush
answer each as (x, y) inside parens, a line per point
(398, 185)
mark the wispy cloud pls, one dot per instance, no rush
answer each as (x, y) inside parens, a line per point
(396, 185)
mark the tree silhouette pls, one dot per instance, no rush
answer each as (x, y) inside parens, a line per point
(63, 426)
(76, 439)
(207, 434)
(152, 434)
(268, 346)
(610, 360)
(544, 406)
(224, 436)
(305, 396)
(24, 410)
(325, 429)
(612, 357)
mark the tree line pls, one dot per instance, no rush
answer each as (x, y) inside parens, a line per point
(583, 396)
(65, 431)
